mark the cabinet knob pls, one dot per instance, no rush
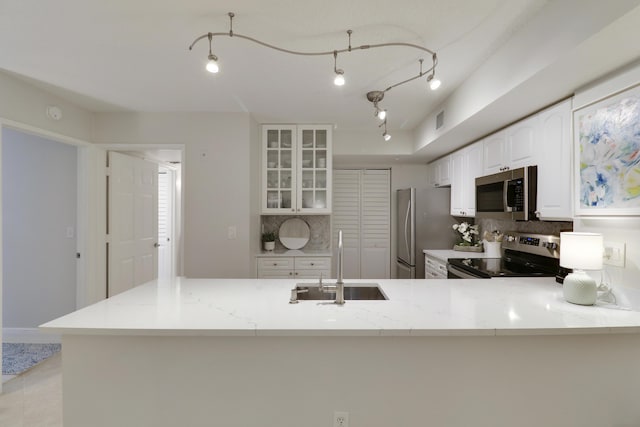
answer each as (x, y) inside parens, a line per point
(293, 210)
(296, 273)
(311, 263)
(275, 263)
(290, 273)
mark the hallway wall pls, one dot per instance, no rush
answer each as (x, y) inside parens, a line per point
(39, 203)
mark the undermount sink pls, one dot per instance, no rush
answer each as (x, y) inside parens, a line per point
(360, 291)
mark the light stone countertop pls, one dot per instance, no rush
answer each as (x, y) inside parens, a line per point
(259, 307)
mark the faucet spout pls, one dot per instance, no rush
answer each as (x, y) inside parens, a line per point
(340, 281)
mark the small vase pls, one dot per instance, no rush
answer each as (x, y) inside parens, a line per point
(464, 248)
(269, 246)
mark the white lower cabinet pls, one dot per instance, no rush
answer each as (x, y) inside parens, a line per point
(434, 268)
(301, 267)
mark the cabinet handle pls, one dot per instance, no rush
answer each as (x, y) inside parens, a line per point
(275, 264)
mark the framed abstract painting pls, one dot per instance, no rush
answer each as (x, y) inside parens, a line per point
(607, 155)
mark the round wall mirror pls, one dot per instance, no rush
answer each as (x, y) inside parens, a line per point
(294, 233)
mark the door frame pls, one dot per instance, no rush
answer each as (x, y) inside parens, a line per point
(82, 270)
(179, 224)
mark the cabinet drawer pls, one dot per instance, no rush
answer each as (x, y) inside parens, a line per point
(275, 263)
(275, 274)
(313, 263)
(312, 274)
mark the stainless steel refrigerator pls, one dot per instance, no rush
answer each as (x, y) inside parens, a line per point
(423, 221)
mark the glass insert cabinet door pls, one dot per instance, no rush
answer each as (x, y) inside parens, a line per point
(296, 169)
(314, 166)
(279, 169)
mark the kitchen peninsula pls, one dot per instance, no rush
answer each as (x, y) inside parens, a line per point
(234, 352)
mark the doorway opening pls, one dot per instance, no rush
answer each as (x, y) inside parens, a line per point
(170, 172)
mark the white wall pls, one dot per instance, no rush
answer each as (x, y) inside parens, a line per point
(616, 229)
(39, 207)
(534, 69)
(217, 187)
(24, 103)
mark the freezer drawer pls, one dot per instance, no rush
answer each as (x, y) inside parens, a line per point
(405, 271)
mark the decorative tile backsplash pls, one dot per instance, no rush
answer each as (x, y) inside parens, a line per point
(534, 227)
(319, 226)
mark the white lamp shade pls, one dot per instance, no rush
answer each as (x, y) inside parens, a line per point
(581, 251)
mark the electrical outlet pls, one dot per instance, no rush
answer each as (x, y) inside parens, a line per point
(232, 232)
(614, 254)
(340, 419)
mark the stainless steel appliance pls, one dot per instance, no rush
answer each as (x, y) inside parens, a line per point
(523, 255)
(510, 194)
(422, 218)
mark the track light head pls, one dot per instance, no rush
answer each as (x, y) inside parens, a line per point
(339, 80)
(434, 83)
(212, 65)
(382, 114)
(386, 136)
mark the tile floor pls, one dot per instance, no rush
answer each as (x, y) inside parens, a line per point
(34, 398)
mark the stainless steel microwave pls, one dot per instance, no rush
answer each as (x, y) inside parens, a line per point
(510, 194)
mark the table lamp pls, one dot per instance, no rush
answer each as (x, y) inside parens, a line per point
(580, 251)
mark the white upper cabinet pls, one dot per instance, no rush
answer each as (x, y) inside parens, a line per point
(466, 166)
(440, 172)
(512, 147)
(554, 164)
(495, 153)
(521, 143)
(296, 169)
(543, 140)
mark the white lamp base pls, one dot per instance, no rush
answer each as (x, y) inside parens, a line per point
(579, 288)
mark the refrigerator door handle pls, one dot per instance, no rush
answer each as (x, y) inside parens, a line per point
(406, 224)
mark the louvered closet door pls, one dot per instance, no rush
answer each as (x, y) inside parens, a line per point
(362, 210)
(375, 225)
(346, 217)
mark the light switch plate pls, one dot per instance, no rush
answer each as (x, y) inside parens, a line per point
(232, 232)
(614, 253)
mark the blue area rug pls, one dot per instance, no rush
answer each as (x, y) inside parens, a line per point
(18, 357)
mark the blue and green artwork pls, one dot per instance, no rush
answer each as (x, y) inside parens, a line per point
(609, 144)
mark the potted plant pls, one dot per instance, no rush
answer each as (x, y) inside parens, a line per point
(269, 240)
(467, 238)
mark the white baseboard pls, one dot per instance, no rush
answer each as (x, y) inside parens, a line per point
(29, 335)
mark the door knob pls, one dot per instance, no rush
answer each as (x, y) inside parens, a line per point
(156, 245)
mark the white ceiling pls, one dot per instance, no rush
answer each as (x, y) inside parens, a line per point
(124, 55)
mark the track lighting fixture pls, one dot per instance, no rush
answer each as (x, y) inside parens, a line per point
(373, 96)
(212, 64)
(385, 134)
(339, 80)
(433, 82)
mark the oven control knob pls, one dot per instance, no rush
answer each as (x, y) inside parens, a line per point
(511, 238)
(550, 245)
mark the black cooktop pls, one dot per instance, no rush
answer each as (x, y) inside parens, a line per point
(512, 264)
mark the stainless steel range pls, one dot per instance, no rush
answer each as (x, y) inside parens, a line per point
(523, 255)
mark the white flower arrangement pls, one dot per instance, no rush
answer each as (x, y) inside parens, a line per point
(468, 234)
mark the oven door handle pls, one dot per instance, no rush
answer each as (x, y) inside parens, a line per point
(461, 274)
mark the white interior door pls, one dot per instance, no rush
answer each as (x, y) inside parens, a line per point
(361, 208)
(346, 217)
(132, 222)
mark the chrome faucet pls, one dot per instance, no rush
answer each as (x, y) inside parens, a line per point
(339, 281)
(338, 288)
